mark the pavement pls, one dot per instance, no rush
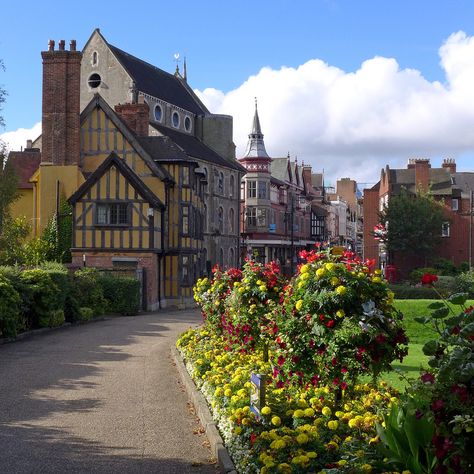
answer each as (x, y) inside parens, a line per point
(103, 397)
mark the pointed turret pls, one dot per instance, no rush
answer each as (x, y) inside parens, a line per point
(256, 145)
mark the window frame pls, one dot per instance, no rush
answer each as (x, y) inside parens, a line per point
(252, 189)
(109, 205)
(445, 229)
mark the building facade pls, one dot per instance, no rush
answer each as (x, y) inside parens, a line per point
(445, 184)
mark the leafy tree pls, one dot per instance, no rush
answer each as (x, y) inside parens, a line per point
(414, 223)
(3, 95)
(8, 185)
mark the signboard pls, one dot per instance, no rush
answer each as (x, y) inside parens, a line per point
(272, 228)
(257, 393)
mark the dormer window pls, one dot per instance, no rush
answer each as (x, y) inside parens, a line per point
(175, 119)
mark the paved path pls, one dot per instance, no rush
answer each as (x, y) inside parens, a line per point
(100, 398)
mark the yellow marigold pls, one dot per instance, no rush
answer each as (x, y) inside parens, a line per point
(330, 266)
(320, 272)
(217, 303)
(241, 289)
(304, 268)
(341, 290)
(311, 454)
(342, 462)
(334, 281)
(340, 313)
(266, 410)
(237, 430)
(278, 444)
(326, 411)
(332, 425)
(309, 412)
(263, 288)
(305, 276)
(246, 421)
(284, 467)
(366, 467)
(276, 421)
(302, 438)
(377, 279)
(298, 414)
(299, 304)
(228, 392)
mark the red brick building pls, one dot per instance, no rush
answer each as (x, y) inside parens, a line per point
(445, 184)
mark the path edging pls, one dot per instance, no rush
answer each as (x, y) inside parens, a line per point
(202, 411)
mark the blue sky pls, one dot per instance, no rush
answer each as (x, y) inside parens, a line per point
(227, 43)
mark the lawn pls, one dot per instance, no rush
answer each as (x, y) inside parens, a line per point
(418, 334)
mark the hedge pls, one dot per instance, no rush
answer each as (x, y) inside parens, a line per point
(122, 294)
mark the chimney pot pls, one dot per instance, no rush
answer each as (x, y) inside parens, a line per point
(29, 143)
(51, 45)
(72, 45)
(62, 45)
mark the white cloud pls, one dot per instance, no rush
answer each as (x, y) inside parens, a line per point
(353, 123)
(16, 139)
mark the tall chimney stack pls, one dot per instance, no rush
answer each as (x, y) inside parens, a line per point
(61, 104)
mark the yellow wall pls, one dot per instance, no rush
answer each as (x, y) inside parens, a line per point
(23, 206)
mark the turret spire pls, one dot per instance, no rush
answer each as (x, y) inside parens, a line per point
(256, 145)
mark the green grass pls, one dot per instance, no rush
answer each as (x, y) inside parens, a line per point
(418, 334)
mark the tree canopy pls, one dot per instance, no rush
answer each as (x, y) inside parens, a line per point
(413, 223)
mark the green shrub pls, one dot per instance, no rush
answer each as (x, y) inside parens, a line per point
(445, 267)
(122, 294)
(88, 291)
(417, 273)
(409, 292)
(60, 275)
(446, 285)
(465, 283)
(10, 316)
(43, 297)
(463, 267)
(53, 319)
(85, 314)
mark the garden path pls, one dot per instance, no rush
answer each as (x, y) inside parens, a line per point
(102, 397)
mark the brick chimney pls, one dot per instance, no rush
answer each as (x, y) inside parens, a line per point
(136, 117)
(61, 109)
(450, 165)
(422, 172)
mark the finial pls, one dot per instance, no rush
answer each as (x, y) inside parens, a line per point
(185, 76)
(176, 57)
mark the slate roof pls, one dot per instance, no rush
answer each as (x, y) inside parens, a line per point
(464, 181)
(158, 83)
(193, 147)
(439, 180)
(279, 168)
(25, 163)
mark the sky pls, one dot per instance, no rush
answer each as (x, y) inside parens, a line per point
(345, 86)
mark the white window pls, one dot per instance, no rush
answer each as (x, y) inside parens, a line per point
(455, 204)
(251, 189)
(445, 229)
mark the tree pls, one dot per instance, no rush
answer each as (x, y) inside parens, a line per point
(8, 186)
(3, 94)
(413, 223)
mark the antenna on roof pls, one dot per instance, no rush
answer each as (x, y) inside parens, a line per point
(185, 73)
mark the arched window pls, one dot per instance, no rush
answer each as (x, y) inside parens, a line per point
(232, 186)
(220, 219)
(231, 220)
(95, 58)
(220, 183)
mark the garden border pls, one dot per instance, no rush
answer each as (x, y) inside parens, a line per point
(202, 411)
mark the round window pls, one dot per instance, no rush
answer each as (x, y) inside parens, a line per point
(94, 81)
(187, 124)
(175, 119)
(158, 113)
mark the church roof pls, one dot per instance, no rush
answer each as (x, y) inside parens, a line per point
(158, 83)
(190, 145)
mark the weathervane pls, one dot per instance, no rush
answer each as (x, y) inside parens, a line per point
(176, 58)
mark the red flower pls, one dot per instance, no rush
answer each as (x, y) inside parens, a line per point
(330, 323)
(281, 360)
(428, 279)
(437, 405)
(427, 378)
(253, 437)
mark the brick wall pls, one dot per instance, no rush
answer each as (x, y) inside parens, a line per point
(135, 116)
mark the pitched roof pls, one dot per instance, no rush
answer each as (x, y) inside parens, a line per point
(195, 148)
(98, 101)
(280, 168)
(133, 179)
(163, 149)
(439, 180)
(25, 163)
(464, 181)
(158, 83)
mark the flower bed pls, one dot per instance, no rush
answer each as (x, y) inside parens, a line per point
(301, 430)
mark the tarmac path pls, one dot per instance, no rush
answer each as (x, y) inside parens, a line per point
(102, 397)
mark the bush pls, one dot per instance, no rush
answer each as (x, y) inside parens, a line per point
(88, 291)
(409, 292)
(445, 267)
(60, 275)
(465, 283)
(85, 314)
(43, 297)
(446, 285)
(121, 293)
(417, 273)
(10, 316)
(53, 319)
